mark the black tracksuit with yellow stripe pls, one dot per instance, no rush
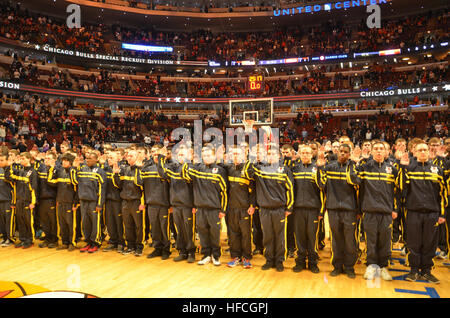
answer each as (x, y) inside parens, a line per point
(425, 193)
(308, 206)
(210, 188)
(132, 195)
(341, 203)
(91, 186)
(26, 182)
(47, 204)
(182, 202)
(241, 195)
(66, 198)
(380, 195)
(274, 186)
(6, 210)
(157, 199)
(113, 209)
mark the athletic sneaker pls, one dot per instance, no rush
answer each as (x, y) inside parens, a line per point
(62, 247)
(205, 260)
(154, 254)
(138, 252)
(216, 261)
(370, 273)
(430, 278)
(71, 248)
(127, 251)
(19, 245)
(299, 267)
(403, 251)
(412, 277)
(350, 272)
(52, 245)
(110, 247)
(43, 244)
(336, 272)
(234, 262)
(385, 274)
(85, 249)
(27, 245)
(93, 249)
(313, 268)
(180, 258)
(267, 265)
(442, 255)
(280, 267)
(120, 248)
(7, 243)
(246, 263)
(191, 258)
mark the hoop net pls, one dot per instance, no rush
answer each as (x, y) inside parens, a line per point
(248, 125)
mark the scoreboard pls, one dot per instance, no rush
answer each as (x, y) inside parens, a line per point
(255, 83)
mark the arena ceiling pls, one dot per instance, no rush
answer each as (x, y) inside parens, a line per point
(396, 8)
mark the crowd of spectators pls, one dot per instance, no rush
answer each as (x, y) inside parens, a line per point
(44, 123)
(332, 37)
(378, 76)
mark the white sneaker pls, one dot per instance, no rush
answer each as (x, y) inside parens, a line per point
(216, 261)
(371, 270)
(205, 260)
(385, 274)
(442, 255)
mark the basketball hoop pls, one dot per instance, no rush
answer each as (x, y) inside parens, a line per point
(248, 125)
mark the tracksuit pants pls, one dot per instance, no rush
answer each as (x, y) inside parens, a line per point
(306, 234)
(184, 221)
(134, 224)
(274, 223)
(25, 222)
(90, 222)
(114, 222)
(422, 242)
(344, 241)
(257, 230)
(7, 227)
(158, 217)
(66, 220)
(47, 215)
(290, 236)
(239, 224)
(378, 230)
(208, 227)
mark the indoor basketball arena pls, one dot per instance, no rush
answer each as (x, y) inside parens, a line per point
(196, 151)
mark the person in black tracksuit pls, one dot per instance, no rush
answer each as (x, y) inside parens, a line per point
(275, 197)
(287, 152)
(6, 203)
(308, 209)
(47, 204)
(26, 181)
(133, 204)
(91, 182)
(113, 208)
(241, 202)
(156, 192)
(341, 203)
(425, 193)
(61, 176)
(182, 203)
(379, 195)
(210, 186)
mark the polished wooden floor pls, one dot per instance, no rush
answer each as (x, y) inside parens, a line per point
(114, 275)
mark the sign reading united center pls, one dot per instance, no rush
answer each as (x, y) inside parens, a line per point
(327, 7)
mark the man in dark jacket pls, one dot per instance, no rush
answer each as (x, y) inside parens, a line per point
(425, 195)
(342, 207)
(379, 194)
